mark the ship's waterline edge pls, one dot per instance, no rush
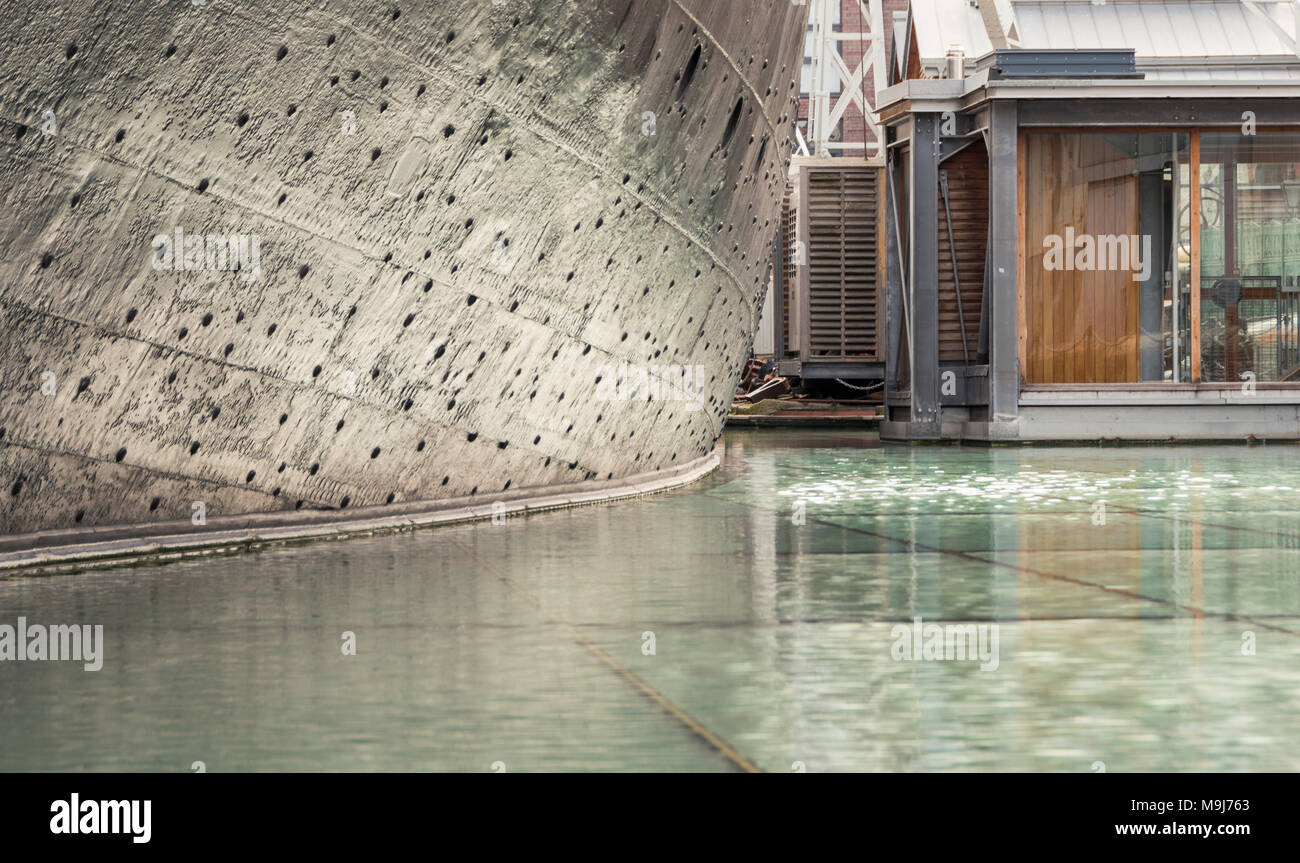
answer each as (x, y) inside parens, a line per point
(71, 551)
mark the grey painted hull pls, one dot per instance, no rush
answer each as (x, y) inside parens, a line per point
(454, 218)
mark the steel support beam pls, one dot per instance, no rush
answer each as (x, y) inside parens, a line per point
(893, 282)
(923, 280)
(778, 293)
(1003, 273)
(1156, 112)
(1151, 210)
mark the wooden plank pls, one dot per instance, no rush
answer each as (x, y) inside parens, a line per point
(1108, 303)
(1022, 310)
(1066, 364)
(1100, 302)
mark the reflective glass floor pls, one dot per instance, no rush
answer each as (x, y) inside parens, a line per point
(1145, 603)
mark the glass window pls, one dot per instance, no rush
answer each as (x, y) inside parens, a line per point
(1102, 301)
(1250, 256)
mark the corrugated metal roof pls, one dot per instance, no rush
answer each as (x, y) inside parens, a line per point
(1226, 74)
(941, 23)
(1155, 29)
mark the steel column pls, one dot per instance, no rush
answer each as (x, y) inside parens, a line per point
(924, 278)
(1003, 273)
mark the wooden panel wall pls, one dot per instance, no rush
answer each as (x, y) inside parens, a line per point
(968, 196)
(1082, 326)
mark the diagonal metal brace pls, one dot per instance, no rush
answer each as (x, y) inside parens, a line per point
(952, 249)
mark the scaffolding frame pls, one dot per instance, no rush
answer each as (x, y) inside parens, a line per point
(830, 74)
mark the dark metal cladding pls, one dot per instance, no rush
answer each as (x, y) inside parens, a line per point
(1065, 63)
(464, 212)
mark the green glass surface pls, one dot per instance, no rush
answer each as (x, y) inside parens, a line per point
(525, 643)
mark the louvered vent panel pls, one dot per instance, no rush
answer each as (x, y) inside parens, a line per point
(790, 272)
(845, 312)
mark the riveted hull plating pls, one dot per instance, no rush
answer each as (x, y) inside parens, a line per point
(463, 215)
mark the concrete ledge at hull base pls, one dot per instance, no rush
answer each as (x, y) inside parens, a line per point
(804, 419)
(64, 551)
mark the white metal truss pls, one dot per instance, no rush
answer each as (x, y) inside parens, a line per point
(1290, 39)
(1000, 23)
(830, 73)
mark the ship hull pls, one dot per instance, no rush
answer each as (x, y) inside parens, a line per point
(288, 255)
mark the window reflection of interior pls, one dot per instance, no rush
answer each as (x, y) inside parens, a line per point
(1250, 256)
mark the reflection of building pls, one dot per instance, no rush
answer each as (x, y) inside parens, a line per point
(1096, 209)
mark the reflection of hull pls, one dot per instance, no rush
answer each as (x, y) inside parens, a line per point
(438, 291)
